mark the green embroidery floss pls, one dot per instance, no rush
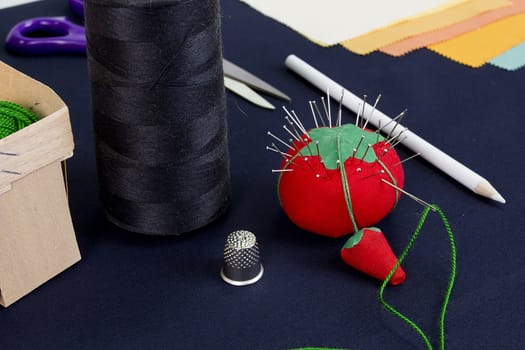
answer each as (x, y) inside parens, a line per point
(448, 291)
(14, 117)
(450, 285)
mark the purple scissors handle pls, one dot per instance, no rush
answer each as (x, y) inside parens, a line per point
(77, 7)
(47, 35)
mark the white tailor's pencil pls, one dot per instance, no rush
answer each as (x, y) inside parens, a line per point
(432, 154)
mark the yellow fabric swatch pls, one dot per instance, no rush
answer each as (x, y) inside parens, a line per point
(477, 47)
(461, 11)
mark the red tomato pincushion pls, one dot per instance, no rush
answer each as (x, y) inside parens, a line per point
(332, 182)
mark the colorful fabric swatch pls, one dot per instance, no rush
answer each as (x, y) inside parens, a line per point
(433, 37)
(372, 41)
(477, 47)
(329, 22)
(512, 59)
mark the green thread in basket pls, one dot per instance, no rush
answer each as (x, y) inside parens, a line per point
(14, 117)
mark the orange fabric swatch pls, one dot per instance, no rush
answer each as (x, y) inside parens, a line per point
(376, 39)
(429, 38)
(477, 47)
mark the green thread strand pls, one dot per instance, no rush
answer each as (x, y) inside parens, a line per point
(450, 284)
(391, 273)
(346, 189)
(452, 278)
(14, 117)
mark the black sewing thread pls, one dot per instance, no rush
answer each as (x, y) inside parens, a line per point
(159, 112)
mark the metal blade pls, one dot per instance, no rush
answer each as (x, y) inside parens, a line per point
(246, 92)
(235, 72)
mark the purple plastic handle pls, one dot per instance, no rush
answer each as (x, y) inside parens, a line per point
(47, 35)
(77, 7)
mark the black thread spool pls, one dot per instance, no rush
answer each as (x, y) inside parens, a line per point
(159, 112)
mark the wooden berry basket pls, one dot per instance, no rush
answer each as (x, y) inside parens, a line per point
(37, 239)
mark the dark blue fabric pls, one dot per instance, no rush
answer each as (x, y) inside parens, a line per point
(136, 292)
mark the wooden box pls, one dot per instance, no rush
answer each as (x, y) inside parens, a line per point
(37, 240)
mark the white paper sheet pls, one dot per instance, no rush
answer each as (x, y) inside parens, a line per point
(328, 22)
(10, 3)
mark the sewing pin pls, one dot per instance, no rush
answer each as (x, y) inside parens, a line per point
(293, 119)
(340, 112)
(373, 110)
(358, 145)
(298, 137)
(395, 138)
(8, 154)
(378, 128)
(284, 155)
(417, 199)
(394, 120)
(296, 120)
(281, 170)
(307, 144)
(366, 151)
(381, 172)
(358, 114)
(278, 139)
(317, 149)
(321, 159)
(319, 113)
(313, 113)
(10, 172)
(276, 150)
(397, 142)
(294, 148)
(397, 123)
(297, 133)
(406, 159)
(306, 160)
(326, 112)
(288, 130)
(328, 103)
(363, 104)
(300, 123)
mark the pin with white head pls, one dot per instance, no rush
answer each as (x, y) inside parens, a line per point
(318, 113)
(367, 119)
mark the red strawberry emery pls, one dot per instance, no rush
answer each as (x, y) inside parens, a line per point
(369, 252)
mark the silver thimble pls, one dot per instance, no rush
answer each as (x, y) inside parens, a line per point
(241, 265)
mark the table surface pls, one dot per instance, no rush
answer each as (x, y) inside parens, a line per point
(137, 292)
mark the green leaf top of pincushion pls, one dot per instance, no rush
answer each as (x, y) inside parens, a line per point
(352, 138)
